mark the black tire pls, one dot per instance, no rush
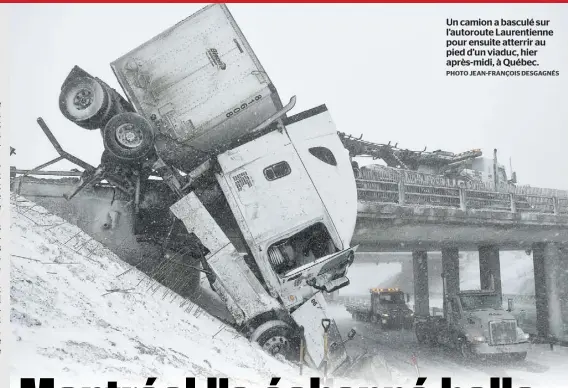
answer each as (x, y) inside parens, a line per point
(274, 337)
(84, 101)
(128, 137)
(421, 337)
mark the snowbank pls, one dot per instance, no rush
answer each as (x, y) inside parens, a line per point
(79, 313)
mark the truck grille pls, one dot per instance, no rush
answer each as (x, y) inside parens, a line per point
(503, 332)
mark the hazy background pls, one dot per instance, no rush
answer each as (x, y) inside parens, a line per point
(380, 68)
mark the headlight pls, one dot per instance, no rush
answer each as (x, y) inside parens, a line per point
(478, 339)
(385, 315)
(521, 335)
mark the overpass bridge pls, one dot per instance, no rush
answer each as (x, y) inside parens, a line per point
(403, 210)
(406, 211)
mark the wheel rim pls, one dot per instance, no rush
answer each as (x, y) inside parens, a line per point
(129, 136)
(83, 98)
(275, 345)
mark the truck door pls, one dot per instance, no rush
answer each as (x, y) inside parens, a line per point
(232, 279)
(267, 188)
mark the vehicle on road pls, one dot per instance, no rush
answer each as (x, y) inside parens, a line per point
(387, 307)
(475, 323)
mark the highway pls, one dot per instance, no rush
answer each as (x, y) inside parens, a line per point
(543, 367)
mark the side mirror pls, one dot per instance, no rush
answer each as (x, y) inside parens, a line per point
(510, 305)
(335, 284)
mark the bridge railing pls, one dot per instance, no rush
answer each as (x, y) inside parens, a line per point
(403, 187)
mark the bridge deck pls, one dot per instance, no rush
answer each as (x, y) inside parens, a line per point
(404, 210)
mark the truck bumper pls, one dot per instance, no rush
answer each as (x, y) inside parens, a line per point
(485, 348)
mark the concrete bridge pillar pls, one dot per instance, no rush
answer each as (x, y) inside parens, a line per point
(563, 286)
(421, 291)
(451, 270)
(406, 275)
(490, 269)
(551, 290)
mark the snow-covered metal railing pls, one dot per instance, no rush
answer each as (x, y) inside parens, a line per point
(411, 188)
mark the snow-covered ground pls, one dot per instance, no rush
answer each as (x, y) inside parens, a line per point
(81, 315)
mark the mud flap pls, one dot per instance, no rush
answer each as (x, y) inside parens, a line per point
(233, 280)
(310, 316)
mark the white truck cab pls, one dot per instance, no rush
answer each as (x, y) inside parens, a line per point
(483, 324)
(475, 323)
(292, 193)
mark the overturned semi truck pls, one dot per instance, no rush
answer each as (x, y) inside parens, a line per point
(203, 162)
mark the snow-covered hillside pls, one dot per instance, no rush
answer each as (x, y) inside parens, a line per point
(80, 314)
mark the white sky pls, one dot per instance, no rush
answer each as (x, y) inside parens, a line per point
(380, 68)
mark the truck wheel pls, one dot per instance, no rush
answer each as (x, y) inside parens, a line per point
(519, 356)
(84, 101)
(128, 136)
(421, 337)
(274, 337)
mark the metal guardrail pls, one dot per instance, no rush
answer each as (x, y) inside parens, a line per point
(411, 188)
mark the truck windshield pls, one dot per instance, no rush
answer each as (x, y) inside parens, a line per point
(479, 302)
(392, 298)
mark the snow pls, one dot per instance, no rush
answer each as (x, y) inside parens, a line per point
(68, 323)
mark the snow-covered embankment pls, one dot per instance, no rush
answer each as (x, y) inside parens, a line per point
(81, 315)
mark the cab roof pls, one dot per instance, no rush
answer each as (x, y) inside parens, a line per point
(477, 292)
(377, 290)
